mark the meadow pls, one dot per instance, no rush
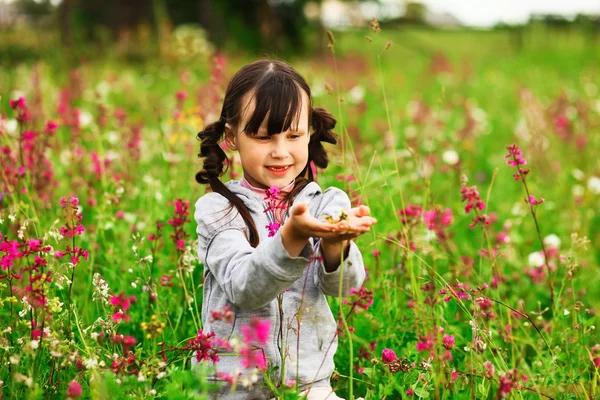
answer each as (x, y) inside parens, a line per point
(476, 152)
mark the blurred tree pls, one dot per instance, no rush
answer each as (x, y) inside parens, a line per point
(35, 9)
(415, 11)
(255, 25)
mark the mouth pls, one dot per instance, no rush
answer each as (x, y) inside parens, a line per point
(278, 168)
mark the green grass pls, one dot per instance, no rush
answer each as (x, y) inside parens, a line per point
(513, 95)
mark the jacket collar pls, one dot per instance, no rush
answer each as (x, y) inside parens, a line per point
(255, 202)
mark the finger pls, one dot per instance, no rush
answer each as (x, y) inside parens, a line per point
(364, 211)
(299, 209)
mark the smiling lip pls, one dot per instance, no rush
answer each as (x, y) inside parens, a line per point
(281, 172)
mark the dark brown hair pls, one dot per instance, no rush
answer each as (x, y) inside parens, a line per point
(278, 92)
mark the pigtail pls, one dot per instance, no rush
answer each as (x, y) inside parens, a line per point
(322, 123)
(215, 164)
(215, 159)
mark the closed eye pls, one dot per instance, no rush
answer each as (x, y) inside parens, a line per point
(262, 138)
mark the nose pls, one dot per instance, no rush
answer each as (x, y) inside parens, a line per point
(279, 150)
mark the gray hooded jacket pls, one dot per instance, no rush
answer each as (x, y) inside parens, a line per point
(248, 280)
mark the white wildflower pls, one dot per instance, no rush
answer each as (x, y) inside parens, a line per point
(552, 240)
(356, 94)
(593, 184)
(450, 157)
(11, 126)
(85, 118)
(90, 363)
(578, 174)
(536, 259)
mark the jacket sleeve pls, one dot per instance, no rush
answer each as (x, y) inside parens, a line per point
(250, 277)
(332, 201)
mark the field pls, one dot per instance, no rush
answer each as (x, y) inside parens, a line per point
(482, 269)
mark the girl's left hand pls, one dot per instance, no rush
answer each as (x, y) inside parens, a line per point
(359, 221)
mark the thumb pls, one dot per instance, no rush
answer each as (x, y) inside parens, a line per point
(299, 209)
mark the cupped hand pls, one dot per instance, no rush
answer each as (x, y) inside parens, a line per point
(359, 221)
(304, 225)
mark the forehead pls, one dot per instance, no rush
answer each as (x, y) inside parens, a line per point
(272, 115)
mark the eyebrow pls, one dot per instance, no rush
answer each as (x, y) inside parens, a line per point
(264, 131)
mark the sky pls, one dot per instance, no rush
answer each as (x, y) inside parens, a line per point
(488, 12)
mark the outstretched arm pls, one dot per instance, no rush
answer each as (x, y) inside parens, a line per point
(358, 221)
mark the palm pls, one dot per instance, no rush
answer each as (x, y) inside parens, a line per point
(358, 222)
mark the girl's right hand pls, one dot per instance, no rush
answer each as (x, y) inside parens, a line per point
(301, 225)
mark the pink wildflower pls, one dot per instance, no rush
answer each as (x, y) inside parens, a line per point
(178, 221)
(257, 331)
(73, 225)
(19, 103)
(271, 200)
(489, 370)
(474, 202)
(410, 392)
(181, 95)
(51, 127)
(514, 157)
(410, 215)
(229, 378)
(203, 347)
(448, 342)
(363, 300)
(425, 344)
(388, 356)
(254, 336)
(535, 202)
(74, 390)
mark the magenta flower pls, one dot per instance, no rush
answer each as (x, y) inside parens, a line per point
(410, 215)
(11, 248)
(437, 221)
(51, 127)
(74, 390)
(425, 344)
(271, 200)
(73, 226)
(448, 342)
(19, 103)
(363, 300)
(254, 336)
(474, 202)
(273, 227)
(514, 158)
(535, 202)
(388, 356)
(489, 370)
(471, 195)
(256, 332)
(180, 218)
(203, 346)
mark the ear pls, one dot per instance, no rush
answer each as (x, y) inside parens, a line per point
(230, 137)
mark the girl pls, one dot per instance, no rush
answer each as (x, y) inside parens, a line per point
(269, 256)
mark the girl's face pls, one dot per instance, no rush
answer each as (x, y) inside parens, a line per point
(271, 160)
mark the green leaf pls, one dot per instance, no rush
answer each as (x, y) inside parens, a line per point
(422, 393)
